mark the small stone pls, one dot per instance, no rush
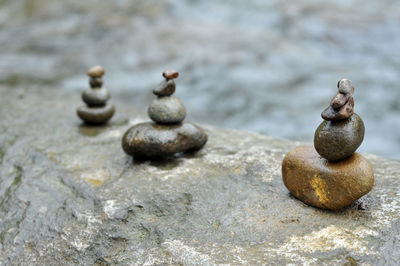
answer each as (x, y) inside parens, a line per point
(323, 184)
(339, 100)
(345, 86)
(96, 115)
(337, 140)
(96, 97)
(170, 74)
(96, 71)
(342, 113)
(167, 110)
(166, 88)
(96, 82)
(150, 140)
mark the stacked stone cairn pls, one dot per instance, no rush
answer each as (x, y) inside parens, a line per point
(168, 134)
(97, 111)
(331, 175)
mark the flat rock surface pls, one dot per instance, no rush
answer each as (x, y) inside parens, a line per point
(70, 195)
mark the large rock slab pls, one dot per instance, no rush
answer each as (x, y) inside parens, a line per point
(70, 195)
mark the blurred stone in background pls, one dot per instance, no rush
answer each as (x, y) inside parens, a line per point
(265, 67)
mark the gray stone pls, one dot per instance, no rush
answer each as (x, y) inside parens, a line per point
(337, 140)
(167, 110)
(73, 199)
(166, 88)
(96, 96)
(345, 86)
(96, 115)
(150, 140)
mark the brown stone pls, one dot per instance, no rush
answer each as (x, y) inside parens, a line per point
(170, 74)
(323, 184)
(96, 71)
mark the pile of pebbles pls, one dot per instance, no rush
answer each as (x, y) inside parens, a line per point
(168, 134)
(331, 175)
(96, 111)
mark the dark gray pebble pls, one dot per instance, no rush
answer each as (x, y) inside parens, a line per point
(337, 140)
(151, 140)
(96, 115)
(166, 88)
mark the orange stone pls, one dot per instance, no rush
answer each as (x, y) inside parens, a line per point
(170, 74)
(323, 184)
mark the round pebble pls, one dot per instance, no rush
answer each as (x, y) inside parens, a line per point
(345, 86)
(96, 97)
(337, 140)
(167, 110)
(96, 71)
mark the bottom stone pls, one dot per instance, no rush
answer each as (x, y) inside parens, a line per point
(151, 140)
(96, 115)
(323, 184)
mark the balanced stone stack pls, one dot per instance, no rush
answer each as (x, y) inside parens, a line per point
(168, 134)
(331, 175)
(97, 110)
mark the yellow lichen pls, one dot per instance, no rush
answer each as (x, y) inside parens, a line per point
(319, 185)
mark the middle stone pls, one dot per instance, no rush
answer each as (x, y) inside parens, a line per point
(167, 110)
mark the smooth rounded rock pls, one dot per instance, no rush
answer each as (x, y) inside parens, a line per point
(166, 88)
(167, 110)
(323, 184)
(96, 115)
(96, 71)
(150, 140)
(337, 140)
(96, 96)
(170, 74)
(345, 86)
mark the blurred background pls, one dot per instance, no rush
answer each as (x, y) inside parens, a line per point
(264, 66)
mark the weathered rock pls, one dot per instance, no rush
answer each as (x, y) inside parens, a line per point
(96, 97)
(166, 88)
(96, 115)
(72, 198)
(323, 184)
(167, 110)
(150, 140)
(336, 140)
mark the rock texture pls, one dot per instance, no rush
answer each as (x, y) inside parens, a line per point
(69, 195)
(326, 185)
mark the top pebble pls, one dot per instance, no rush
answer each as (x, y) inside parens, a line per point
(96, 71)
(170, 74)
